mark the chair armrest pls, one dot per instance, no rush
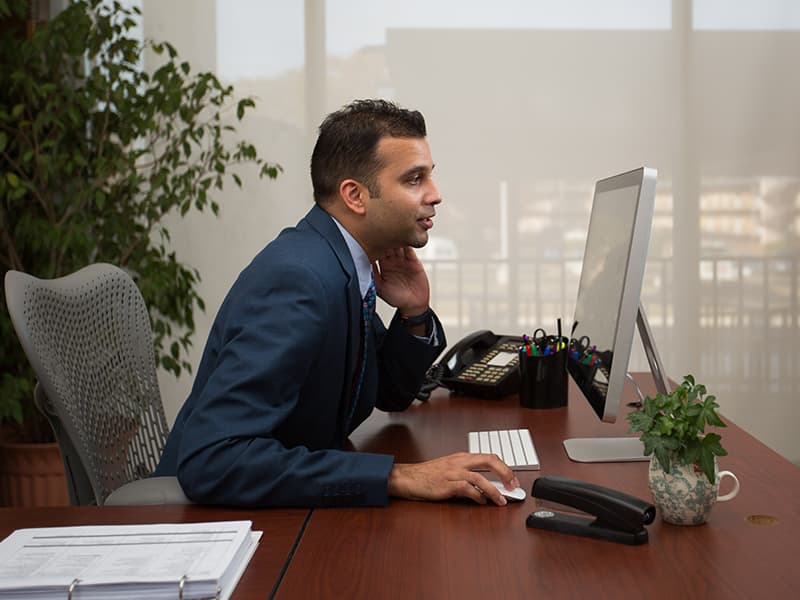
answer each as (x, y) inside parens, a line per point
(151, 490)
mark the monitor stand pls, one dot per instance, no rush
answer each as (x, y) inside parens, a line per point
(622, 449)
(653, 359)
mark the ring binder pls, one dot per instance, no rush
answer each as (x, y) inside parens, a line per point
(180, 586)
(127, 562)
(71, 588)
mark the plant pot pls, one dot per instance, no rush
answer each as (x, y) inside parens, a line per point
(32, 475)
(685, 496)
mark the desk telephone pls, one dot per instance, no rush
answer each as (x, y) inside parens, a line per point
(481, 364)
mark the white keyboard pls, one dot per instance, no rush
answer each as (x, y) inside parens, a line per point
(513, 446)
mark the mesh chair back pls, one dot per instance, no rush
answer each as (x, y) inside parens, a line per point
(89, 340)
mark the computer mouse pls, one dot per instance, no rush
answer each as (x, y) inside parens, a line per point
(516, 494)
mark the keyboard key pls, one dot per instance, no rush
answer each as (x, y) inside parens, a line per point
(527, 445)
(507, 451)
(519, 453)
(494, 443)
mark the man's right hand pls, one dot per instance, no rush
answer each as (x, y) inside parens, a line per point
(450, 477)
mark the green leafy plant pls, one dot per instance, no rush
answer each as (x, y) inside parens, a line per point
(95, 153)
(672, 427)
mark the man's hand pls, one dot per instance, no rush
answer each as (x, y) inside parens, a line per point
(451, 476)
(401, 281)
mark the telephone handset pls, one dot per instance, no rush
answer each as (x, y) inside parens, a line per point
(481, 364)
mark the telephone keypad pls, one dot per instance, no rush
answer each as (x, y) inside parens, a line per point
(485, 372)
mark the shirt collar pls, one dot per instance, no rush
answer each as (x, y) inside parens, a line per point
(360, 259)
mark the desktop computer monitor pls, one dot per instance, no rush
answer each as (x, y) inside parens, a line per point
(608, 308)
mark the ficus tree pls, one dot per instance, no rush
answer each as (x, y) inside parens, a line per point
(95, 153)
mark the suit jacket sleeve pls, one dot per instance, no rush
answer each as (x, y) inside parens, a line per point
(404, 360)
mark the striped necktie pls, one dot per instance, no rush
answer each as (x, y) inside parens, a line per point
(367, 312)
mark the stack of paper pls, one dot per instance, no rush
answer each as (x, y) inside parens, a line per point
(118, 562)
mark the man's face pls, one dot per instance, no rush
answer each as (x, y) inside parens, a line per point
(402, 212)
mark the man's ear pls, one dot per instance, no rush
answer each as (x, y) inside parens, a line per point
(354, 195)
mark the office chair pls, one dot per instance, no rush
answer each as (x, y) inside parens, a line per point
(88, 338)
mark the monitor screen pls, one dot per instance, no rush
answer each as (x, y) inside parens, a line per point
(610, 286)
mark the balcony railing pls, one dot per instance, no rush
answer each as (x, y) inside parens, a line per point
(748, 310)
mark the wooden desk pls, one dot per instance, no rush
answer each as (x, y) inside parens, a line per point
(462, 550)
(281, 528)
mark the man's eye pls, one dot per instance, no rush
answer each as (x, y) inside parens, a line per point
(415, 180)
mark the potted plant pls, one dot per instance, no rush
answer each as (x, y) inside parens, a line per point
(683, 475)
(95, 153)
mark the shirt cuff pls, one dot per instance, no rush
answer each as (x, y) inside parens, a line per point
(433, 338)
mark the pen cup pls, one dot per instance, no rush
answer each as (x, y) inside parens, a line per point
(543, 380)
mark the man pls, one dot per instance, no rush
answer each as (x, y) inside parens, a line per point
(291, 367)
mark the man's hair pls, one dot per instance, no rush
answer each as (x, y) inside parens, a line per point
(347, 146)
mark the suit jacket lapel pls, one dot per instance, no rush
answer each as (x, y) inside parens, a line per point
(322, 222)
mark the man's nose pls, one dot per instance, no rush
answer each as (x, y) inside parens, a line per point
(433, 196)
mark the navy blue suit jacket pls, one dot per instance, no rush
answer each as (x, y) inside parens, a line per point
(266, 421)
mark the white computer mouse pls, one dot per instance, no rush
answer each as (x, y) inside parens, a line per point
(515, 494)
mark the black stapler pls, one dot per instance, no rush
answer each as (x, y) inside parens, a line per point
(619, 517)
